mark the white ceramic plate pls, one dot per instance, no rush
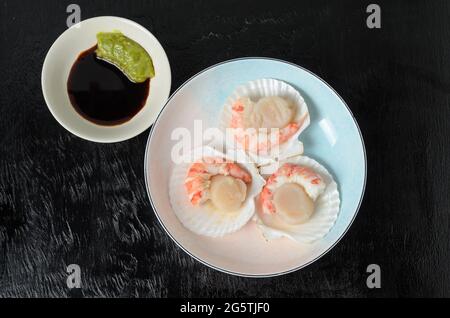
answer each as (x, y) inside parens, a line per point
(333, 139)
(60, 59)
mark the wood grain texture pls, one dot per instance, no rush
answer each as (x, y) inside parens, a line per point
(64, 200)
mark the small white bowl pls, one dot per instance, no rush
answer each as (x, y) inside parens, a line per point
(63, 54)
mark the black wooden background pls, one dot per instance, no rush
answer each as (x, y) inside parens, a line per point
(64, 200)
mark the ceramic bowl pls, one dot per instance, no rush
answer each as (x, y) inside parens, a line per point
(60, 59)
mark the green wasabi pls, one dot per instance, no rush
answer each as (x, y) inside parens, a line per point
(126, 54)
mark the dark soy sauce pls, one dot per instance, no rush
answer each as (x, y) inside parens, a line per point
(102, 93)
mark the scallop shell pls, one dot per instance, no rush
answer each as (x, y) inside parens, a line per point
(263, 88)
(326, 212)
(201, 219)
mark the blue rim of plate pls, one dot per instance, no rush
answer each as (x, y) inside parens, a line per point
(237, 273)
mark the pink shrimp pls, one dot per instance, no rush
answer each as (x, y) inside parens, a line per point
(237, 113)
(199, 177)
(274, 137)
(287, 170)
